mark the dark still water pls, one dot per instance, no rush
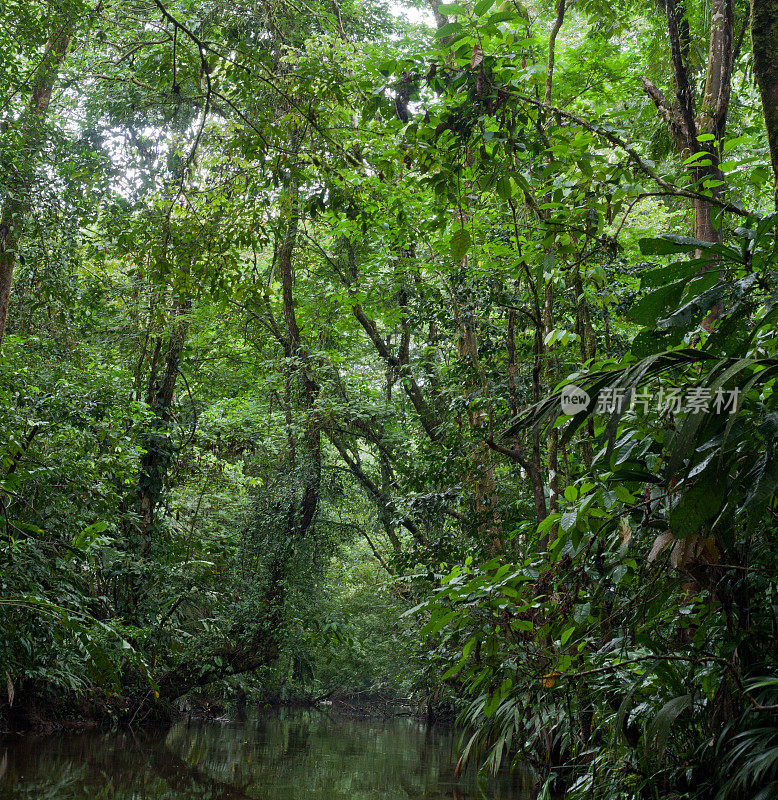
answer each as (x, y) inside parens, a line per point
(286, 756)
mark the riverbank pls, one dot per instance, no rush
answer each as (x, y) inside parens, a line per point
(40, 714)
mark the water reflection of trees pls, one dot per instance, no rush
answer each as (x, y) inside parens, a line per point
(279, 757)
(118, 766)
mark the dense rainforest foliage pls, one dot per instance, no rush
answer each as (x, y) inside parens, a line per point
(417, 350)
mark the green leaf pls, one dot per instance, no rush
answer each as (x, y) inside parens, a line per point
(697, 506)
(548, 523)
(469, 647)
(460, 244)
(765, 482)
(649, 308)
(451, 672)
(504, 187)
(83, 539)
(695, 158)
(671, 273)
(491, 706)
(502, 16)
(648, 342)
(437, 623)
(670, 244)
(449, 29)
(659, 730)
(569, 518)
(581, 613)
(761, 683)
(482, 6)
(731, 144)
(692, 313)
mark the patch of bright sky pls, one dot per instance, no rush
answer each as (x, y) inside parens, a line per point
(414, 14)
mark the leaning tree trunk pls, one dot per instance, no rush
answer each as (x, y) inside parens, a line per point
(17, 205)
(764, 38)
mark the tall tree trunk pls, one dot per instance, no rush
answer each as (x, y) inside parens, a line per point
(548, 289)
(685, 123)
(16, 205)
(531, 467)
(588, 346)
(557, 26)
(484, 499)
(158, 452)
(764, 39)
(552, 461)
(534, 465)
(683, 120)
(712, 117)
(156, 460)
(304, 387)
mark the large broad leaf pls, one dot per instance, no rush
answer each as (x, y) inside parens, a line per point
(504, 187)
(83, 539)
(449, 29)
(647, 342)
(692, 313)
(698, 506)
(686, 440)
(661, 276)
(482, 6)
(460, 244)
(547, 411)
(670, 244)
(765, 483)
(648, 309)
(659, 730)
